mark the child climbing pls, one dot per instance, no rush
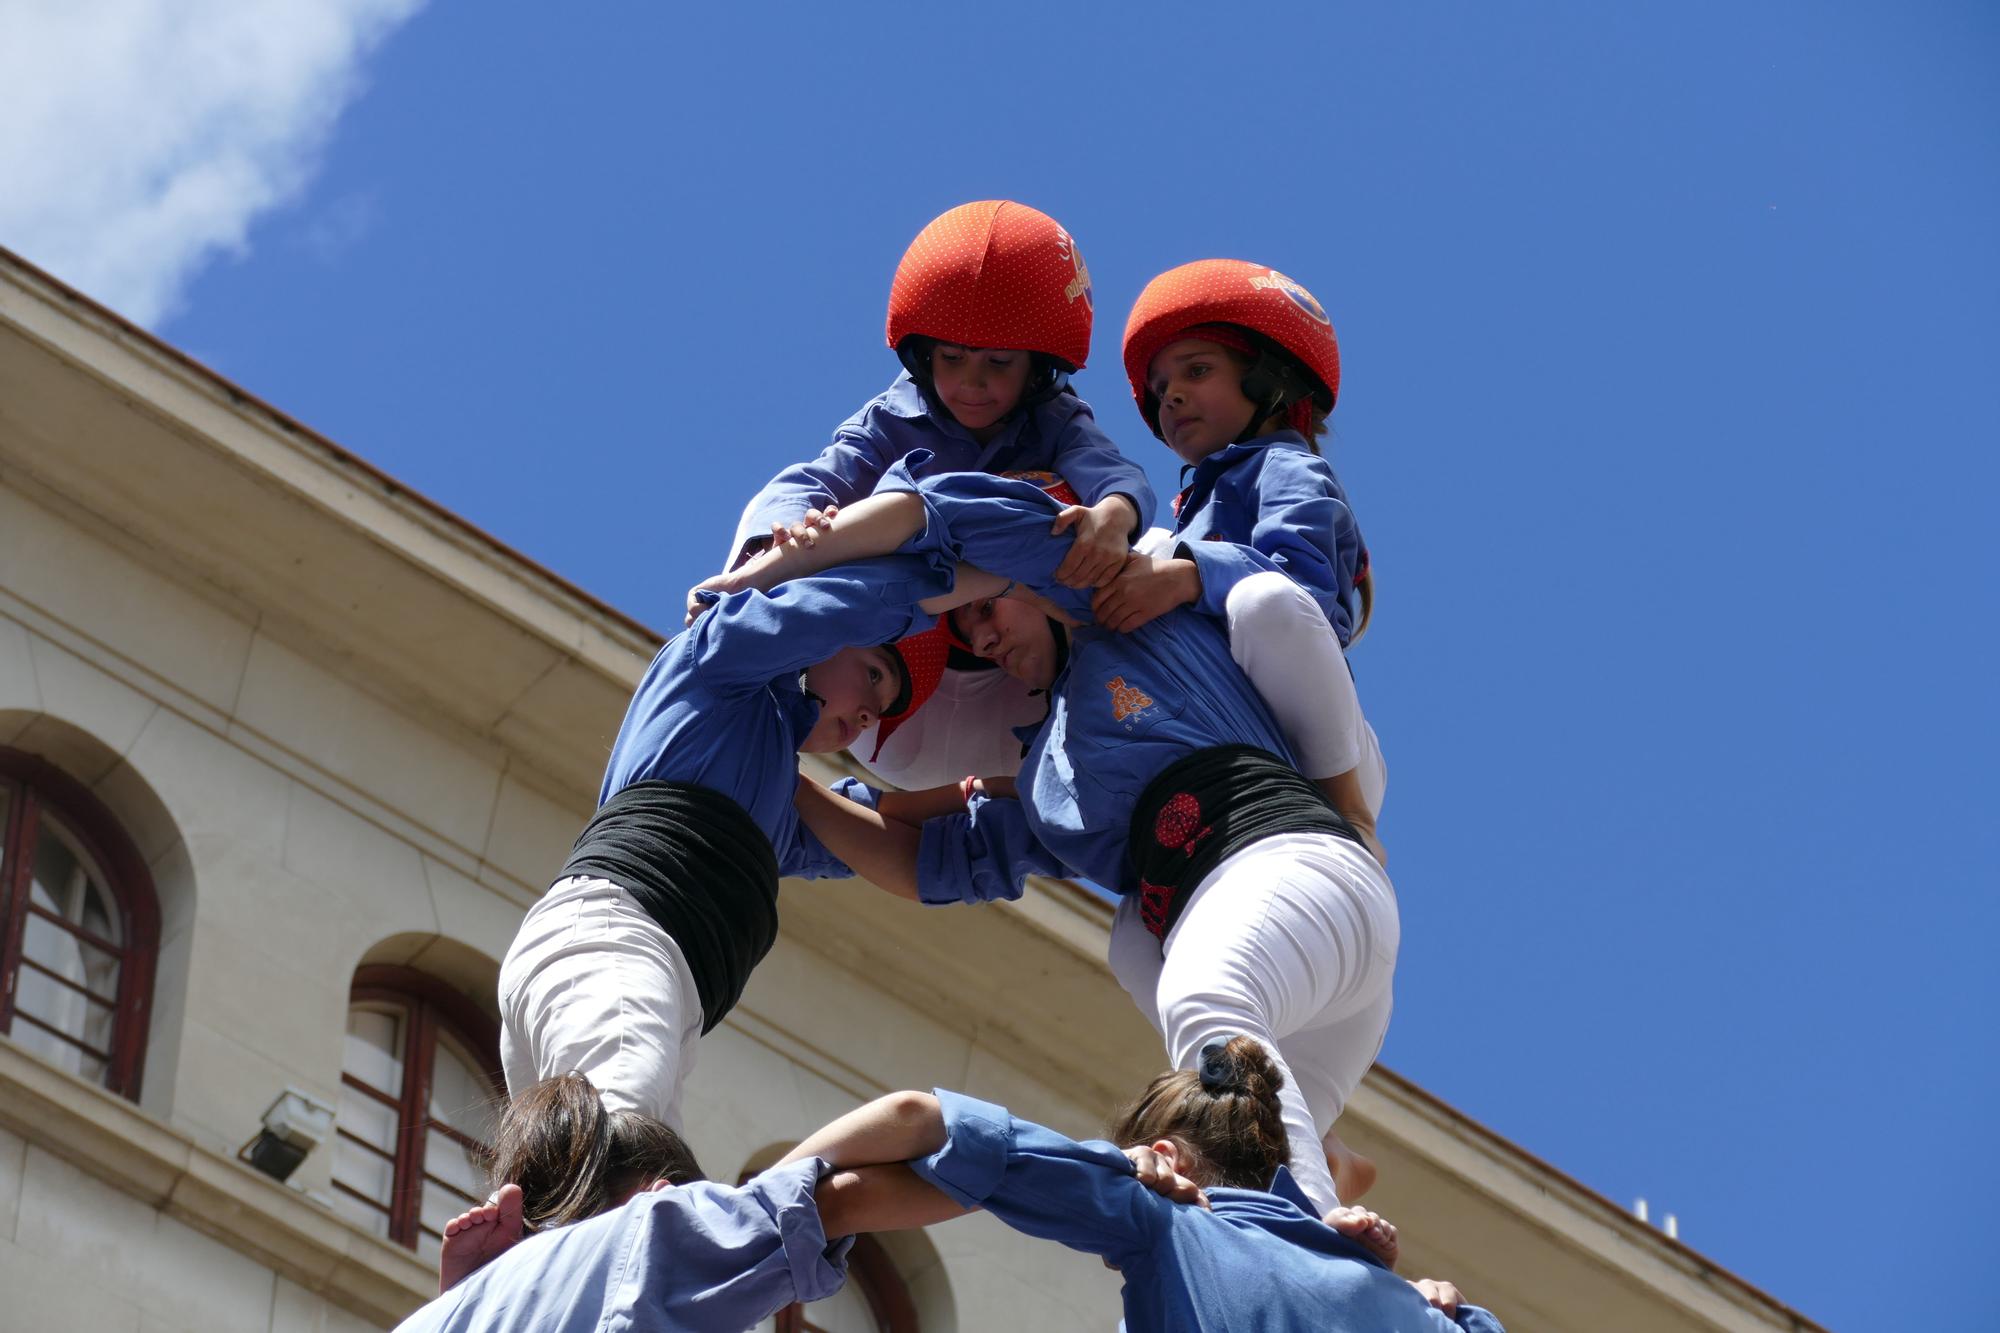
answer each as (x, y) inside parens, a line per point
(669, 897)
(990, 312)
(1235, 367)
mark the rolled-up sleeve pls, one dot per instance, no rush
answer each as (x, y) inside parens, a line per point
(737, 1254)
(995, 523)
(746, 639)
(1041, 1183)
(985, 854)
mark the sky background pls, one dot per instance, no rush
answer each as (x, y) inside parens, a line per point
(1668, 340)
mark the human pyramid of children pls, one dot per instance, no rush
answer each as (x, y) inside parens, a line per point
(965, 583)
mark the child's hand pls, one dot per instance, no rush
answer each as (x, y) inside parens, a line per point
(1159, 1176)
(1370, 1230)
(722, 583)
(806, 531)
(1147, 588)
(1103, 540)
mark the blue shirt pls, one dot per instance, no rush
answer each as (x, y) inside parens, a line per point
(696, 1257)
(1272, 504)
(722, 704)
(1256, 1261)
(1058, 435)
(1123, 707)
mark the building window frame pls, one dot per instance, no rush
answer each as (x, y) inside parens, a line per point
(428, 1006)
(34, 786)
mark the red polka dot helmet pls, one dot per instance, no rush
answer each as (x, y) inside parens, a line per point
(993, 274)
(1250, 296)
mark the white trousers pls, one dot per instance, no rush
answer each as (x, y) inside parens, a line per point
(1291, 940)
(1283, 642)
(592, 984)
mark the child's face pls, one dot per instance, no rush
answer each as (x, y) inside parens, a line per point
(979, 386)
(1200, 388)
(1012, 633)
(854, 686)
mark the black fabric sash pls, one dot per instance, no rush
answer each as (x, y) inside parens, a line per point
(1207, 805)
(700, 866)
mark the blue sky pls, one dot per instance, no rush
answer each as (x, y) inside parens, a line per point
(1667, 410)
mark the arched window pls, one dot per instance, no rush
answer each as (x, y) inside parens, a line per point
(420, 1095)
(79, 927)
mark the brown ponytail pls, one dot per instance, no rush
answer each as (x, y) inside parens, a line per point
(573, 1159)
(1224, 1115)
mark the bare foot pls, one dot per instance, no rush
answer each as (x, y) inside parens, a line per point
(478, 1236)
(1353, 1174)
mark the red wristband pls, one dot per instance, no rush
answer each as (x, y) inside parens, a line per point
(965, 790)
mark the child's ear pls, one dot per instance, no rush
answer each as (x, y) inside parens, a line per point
(658, 1185)
(1169, 1150)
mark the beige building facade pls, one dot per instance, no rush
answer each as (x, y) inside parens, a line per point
(291, 750)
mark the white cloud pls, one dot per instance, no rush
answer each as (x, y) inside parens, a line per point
(141, 138)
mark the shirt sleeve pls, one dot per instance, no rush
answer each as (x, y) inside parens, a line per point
(1472, 1319)
(808, 858)
(987, 853)
(1304, 530)
(747, 639)
(845, 471)
(727, 1256)
(1094, 469)
(1042, 1183)
(995, 523)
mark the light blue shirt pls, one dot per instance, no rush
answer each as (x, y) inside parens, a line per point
(722, 707)
(1058, 435)
(1272, 504)
(1122, 709)
(1256, 1261)
(691, 1259)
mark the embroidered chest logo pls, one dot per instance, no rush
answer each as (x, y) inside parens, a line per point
(1126, 699)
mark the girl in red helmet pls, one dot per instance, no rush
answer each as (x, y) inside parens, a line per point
(1235, 367)
(990, 312)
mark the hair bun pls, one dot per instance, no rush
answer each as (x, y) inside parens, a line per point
(1219, 1069)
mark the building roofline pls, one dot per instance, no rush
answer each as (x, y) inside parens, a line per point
(344, 456)
(1443, 1111)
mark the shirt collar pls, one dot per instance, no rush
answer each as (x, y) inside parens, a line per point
(1228, 454)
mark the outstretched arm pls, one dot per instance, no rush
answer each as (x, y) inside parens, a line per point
(872, 1190)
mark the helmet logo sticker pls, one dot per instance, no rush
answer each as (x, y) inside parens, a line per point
(1301, 298)
(1080, 284)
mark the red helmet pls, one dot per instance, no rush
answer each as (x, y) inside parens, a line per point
(995, 274)
(923, 657)
(1230, 291)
